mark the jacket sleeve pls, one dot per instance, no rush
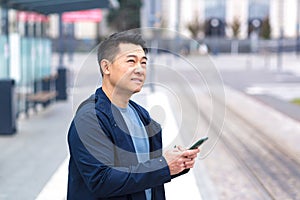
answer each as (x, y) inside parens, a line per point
(181, 173)
(93, 154)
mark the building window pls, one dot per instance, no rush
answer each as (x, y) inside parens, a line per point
(215, 9)
(258, 9)
(215, 13)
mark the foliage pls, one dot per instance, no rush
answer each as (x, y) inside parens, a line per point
(296, 101)
(195, 27)
(265, 31)
(236, 27)
(127, 16)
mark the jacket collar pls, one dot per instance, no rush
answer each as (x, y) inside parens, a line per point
(104, 105)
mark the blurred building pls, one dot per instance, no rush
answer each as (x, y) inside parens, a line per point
(28, 40)
(176, 14)
(84, 24)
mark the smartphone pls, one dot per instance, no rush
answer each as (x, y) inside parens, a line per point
(198, 143)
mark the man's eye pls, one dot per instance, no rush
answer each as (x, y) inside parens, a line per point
(130, 61)
(144, 63)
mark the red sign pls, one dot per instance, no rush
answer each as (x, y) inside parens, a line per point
(94, 15)
(31, 17)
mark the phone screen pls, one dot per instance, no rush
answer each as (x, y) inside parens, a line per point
(198, 143)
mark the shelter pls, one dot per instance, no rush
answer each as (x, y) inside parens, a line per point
(25, 59)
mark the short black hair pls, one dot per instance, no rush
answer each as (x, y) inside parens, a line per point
(109, 48)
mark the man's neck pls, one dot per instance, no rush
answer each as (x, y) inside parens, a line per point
(118, 98)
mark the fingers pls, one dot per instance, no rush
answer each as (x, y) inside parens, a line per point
(190, 163)
(190, 156)
(184, 163)
(191, 153)
(180, 148)
(179, 159)
(178, 166)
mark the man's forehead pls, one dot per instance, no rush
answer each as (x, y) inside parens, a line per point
(128, 48)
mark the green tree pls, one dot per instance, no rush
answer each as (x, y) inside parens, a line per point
(195, 27)
(127, 16)
(265, 31)
(236, 27)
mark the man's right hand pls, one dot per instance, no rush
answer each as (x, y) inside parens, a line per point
(179, 159)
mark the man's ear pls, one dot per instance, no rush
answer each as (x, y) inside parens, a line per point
(105, 64)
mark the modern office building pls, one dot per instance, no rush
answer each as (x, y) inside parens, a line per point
(176, 14)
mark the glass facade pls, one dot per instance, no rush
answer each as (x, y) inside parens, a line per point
(25, 59)
(258, 9)
(4, 70)
(35, 59)
(215, 14)
(35, 65)
(215, 9)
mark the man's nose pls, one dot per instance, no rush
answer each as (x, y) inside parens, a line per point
(139, 69)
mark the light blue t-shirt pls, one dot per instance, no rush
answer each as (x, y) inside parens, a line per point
(139, 136)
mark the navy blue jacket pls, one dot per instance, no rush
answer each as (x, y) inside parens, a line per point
(103, 163)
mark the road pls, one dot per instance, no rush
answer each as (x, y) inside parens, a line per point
(249, 162)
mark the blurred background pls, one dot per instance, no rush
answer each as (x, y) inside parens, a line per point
(31, 32)
(218, 67)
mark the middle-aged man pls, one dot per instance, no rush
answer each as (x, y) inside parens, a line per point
(115, 146)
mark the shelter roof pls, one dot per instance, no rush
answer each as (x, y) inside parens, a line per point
(57, 6)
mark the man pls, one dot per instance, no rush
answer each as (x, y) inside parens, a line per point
(115, 147)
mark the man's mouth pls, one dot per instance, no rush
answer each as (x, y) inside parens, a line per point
(137, 80)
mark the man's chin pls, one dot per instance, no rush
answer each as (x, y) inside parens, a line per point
(137, 90)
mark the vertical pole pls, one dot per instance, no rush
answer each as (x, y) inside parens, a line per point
(39, 47)
(5, 20)
(61, 80)
(71, 39)
(178, 17)
(178, 3)
(280, 39)
(153, 43)
(5, 31)
(61, 42)
(298, 29)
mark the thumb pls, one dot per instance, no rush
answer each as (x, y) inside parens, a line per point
(180, 148)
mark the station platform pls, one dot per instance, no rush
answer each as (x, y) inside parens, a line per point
(34, 160)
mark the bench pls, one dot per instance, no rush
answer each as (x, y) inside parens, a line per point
(44, 93)
(42, 97)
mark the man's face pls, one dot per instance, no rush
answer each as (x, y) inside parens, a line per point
(128, 70)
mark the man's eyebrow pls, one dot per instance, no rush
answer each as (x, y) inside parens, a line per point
(135, 56)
